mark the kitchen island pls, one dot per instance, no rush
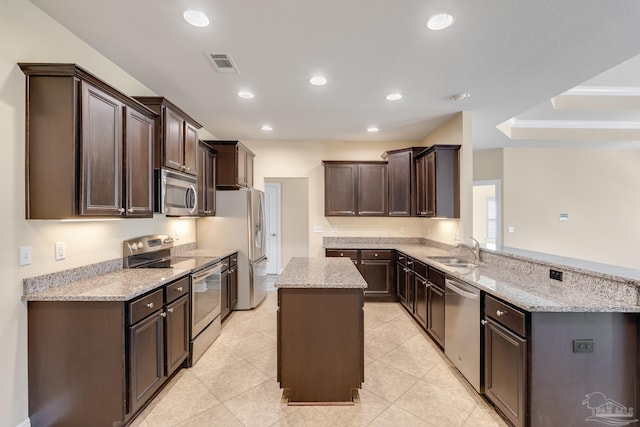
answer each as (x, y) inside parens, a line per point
(320, 330)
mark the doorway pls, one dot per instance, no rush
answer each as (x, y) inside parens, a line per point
(272, 196)
(487, 218)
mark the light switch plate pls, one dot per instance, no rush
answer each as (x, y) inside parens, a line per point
(318, 229)
(61, 251)
(25, 255)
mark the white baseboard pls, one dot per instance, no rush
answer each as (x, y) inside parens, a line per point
(25, 423)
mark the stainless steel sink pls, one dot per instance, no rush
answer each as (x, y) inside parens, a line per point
(454, 262)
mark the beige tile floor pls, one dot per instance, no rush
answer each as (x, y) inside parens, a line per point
(408, 381)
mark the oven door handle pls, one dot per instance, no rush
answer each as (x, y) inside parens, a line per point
(208, 272)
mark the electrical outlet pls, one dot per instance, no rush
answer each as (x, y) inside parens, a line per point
(25, 255)
(555, 274)
(583, 345)
(61, 251)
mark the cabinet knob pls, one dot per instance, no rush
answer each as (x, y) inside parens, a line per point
(130, 210)
(424, 282)
(500, 313)
(400, 257)
(121, 210)
(375, 254)
(150, 305)
(179, 289)
(409, 262)
(187, 168)
(483, 322)
(170, 310)
(163, 314)
(341, 254)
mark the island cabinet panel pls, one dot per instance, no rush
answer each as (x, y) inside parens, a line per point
(87, 151)
(355, 188)
(320, 343)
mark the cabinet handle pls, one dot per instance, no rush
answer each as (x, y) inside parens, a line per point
(150, 305)
(163, 314)
(483, 322)
(500, 313)
(179, 289)
(170, 310)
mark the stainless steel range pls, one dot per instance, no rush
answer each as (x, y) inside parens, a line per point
(155, 252)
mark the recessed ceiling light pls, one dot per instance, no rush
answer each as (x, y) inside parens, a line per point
(318, 80)
(393, 96)
(440, 21)
(196, 18)
(459, 96)
(266, 128)
(245, 94)
(372, 129)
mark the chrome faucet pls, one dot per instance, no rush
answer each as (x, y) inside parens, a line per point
(474, 248)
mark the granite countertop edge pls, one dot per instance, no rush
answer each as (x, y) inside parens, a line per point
(320, 273)
(511, 289)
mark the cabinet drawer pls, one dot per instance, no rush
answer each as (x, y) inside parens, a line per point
(436, 277)
(505, 315)
(401, 259)
(420, 269)
(376, 254)
(348, 253)
(144, 306)
(176, 289)
(233, 260)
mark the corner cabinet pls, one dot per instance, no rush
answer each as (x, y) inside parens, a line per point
(176, 135)
(235, 164)
(438, 182)
(89, 147)
(107, 358)
(206, 181)
(402, 180)
(355, 188)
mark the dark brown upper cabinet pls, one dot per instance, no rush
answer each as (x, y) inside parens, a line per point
(176, 135)
(88, 146)
(355, 188)
(438, 182)
(234, 169)
(206, 181)
(402, 180)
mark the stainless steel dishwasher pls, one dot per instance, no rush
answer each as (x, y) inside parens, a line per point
(462, 329)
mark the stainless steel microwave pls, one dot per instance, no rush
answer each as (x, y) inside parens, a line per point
(176, 193)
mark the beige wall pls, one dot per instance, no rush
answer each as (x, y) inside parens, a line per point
(487, 164)
(27, 35)
(294, 217)
(599, 190)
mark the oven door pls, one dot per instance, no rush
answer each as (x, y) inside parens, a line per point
(205, 298)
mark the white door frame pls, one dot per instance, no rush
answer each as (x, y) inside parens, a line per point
(498, 191)
(273, 190)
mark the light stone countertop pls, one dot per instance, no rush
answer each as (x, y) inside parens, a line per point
(209, 253)
(524, 285)
(335, 273)
(120, 285)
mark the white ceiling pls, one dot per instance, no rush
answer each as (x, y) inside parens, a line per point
(512, 56)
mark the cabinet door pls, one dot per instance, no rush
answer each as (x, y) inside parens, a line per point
(506, 371)
(340, 189)
(101, 148)
(241, 172)
(173, 140)
(210, 184)
(435, 313)
(378, 275)
(430, 168)
(177, 326)
(409, 302)
(400, 185)
(233, 287)
(421, 286)
(139, 164)
(190, 147)
(224, 294)
(372, 189)
(202, 180)
(401, 282)
(146, 360)
(421, 186)
(249, 171)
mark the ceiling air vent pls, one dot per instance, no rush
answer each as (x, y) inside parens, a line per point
(222, 62)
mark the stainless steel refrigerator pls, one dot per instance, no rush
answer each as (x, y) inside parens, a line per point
(239, 225)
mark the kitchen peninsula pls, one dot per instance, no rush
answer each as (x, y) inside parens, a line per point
(320, 330)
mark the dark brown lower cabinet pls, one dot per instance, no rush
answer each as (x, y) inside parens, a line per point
(103, 360)
(421, 286)
(506, 371)
(224, 295)
(377, 269)
(435, 313)
(233, 287)
(228, 285)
